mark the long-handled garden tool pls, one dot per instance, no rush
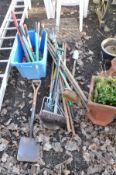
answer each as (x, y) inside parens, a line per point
(57, 83)
(26, 44)
(36, 41)
(68, 75)
(20, 37)
(28, 148)
(75, 58)
(27, 37)
(51, 112)
(48, 115)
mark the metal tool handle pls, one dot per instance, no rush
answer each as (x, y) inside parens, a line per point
(36, 85)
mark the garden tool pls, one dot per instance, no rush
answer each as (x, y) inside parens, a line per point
(26, 44)
(50, 107)
(75, 56)
(50, 119)
(36, 41)
(68, 74)
(70, 95)
(27, 36)
(70, 119)
(48, 114)
(65, 107)
(49, 104)
(56, 85)
(28, 148)
(67, 104)
(20, 37)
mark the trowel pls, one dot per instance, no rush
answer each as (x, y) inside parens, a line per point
(28, 148)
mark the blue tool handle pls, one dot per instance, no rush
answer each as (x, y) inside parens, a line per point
(36, 47)
(36, 41)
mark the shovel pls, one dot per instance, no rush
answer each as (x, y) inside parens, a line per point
(28, 148)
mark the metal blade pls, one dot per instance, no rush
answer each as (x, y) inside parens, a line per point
(28, 150)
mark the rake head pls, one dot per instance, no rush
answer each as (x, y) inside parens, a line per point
(52, 119)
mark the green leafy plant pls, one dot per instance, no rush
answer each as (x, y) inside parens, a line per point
(105, 90)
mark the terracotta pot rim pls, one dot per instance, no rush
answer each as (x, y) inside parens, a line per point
(99, 104)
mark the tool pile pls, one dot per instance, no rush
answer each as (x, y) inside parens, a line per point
(29, 53)
(28, 148)
(57, 109)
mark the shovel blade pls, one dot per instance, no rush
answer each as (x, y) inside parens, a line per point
(28, 150)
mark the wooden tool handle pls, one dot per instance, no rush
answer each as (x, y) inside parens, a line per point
(70, 119)
(36, 85)
(65, 108)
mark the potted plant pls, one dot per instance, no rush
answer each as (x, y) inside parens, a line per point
(102, 100)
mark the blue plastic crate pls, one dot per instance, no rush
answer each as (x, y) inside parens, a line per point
(30, 70)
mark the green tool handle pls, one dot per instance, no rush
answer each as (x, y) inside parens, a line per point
(26, 53)
(28, 38)
(26, 44)
(28, 48)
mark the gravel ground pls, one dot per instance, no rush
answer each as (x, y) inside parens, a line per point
(93, 150)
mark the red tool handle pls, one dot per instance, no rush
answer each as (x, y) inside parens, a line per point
(16, 24)
(19, 34)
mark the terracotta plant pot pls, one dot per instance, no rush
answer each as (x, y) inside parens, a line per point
(98, 113)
